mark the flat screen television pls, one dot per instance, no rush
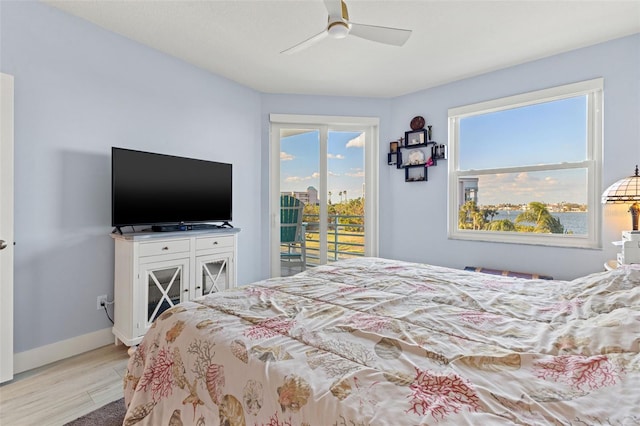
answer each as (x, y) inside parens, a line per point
(157, 189)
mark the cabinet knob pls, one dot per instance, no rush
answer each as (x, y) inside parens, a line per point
(186, 290)
(215, 243)
(198, 288)
(3, 244)
(165, 248)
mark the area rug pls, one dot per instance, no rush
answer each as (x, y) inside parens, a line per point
(111, 414)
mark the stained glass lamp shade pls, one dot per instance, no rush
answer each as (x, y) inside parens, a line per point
(625, 190)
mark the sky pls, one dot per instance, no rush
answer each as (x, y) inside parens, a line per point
(299, 163)
(551, 132)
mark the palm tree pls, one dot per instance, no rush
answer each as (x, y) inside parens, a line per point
(467, 215)
(538, 214)
(478, 220)
(501, 225)
(489, 214)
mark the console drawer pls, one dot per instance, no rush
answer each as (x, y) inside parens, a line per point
(208, 243)
(164, 247)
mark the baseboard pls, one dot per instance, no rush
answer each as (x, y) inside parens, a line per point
(43, 355)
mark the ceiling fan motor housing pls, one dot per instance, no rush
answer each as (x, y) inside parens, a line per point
(338, 29)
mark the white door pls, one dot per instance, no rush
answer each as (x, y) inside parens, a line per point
(6, 227)
(309, 156)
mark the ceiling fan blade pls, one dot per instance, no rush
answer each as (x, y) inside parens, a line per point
(386, 35)
(334, 7)
(308, 42)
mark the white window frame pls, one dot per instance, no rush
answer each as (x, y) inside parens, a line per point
(593, 89)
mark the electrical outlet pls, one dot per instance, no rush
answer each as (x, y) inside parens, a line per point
(101, 301)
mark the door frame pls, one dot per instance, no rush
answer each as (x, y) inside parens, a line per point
(324, 124)
(6, 226)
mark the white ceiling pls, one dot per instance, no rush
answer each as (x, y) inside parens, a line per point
(451, 40)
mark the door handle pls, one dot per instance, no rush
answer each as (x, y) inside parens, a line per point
(3, 244)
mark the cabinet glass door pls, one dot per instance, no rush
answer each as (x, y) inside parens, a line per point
(213, 274)
(165, 284)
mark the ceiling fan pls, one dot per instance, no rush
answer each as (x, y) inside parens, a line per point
(339, 26)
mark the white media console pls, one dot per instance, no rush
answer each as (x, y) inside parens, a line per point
(157, 270)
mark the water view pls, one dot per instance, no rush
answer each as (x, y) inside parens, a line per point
(573, 222)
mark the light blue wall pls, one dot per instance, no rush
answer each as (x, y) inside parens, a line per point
(78, 91)
(418, 210)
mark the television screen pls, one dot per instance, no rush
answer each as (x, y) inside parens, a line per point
(148, 188)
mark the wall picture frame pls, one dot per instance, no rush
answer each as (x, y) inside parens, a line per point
(415, 138)
(393, 147)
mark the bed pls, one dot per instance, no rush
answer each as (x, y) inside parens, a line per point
(372, 341)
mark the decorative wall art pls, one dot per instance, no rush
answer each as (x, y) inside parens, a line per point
(417, 123)
(416, 137)
(392, 156)
(416, 152)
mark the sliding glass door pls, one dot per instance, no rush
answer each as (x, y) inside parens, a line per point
(346, 184)
(300, 197)
(330, 168)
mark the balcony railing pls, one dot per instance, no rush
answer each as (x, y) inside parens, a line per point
(345, 237)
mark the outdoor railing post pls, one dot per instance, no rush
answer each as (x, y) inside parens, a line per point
(335, 237)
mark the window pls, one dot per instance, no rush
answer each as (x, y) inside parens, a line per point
(526, 168)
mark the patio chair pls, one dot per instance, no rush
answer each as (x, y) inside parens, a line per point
(293, 247)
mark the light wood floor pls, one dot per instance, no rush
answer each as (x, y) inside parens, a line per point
(63, 391)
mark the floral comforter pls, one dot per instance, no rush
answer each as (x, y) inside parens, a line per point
(379, 342)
